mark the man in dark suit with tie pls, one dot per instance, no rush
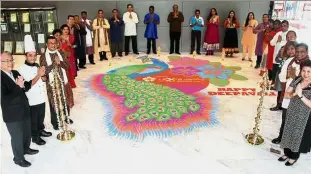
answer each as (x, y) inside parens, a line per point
(15, 110)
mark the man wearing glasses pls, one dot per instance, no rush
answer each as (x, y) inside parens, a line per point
(15, 109)
(54, 59)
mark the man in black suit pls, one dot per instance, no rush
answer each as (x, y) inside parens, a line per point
(15, 109)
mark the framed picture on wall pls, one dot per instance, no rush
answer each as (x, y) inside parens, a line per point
(51, 27)
(37, 28)
(13, 17)
(50, 16)
(36, 16)
(41, 39)
(27, 28)
(19, 49)
(4, 28)
(8, 46)
(25, 17)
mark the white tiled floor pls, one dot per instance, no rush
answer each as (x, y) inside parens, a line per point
(218, 150)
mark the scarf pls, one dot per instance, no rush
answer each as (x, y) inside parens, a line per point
(102, 22)
(49, 62)
(89, 34)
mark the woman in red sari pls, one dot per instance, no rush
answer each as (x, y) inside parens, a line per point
(66, 42)
(211, 40)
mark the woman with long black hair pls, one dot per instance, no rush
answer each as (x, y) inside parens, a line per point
(231, 35)
(249, 38)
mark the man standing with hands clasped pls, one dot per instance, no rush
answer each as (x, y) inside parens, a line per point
(36, 94)
(116, 35)
(196, 22)
(15, 110)
(130, 20)
(151, 20)
(175, 19)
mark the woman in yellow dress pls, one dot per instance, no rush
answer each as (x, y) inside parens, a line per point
(249, 38)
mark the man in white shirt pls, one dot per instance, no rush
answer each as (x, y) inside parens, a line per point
(37, 93)
(130, 20)
(278, 41)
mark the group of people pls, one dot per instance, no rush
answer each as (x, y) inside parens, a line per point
(23, 92)
(23, 96)
(289, 72)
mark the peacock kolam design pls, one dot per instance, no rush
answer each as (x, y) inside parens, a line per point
(153, 99)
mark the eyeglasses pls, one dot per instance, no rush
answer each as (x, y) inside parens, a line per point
(9, 61)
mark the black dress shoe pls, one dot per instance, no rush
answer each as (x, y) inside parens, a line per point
(171, 52)
(198, 53)
(23, 163)
(39, 141)
(256, 67)
(31, 151)
(290, 164)
(70, 121)
(277, 108)
(126, 54)
(154, 52)
(283, 158)
(178, 53)
(44, 133)
(276, 140)
(93, 63)
(82, 67)
(136, 53)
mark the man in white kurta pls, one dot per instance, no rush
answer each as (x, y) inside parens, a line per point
(37, 93)
(130, 20)
(101, 41)
(278, 41)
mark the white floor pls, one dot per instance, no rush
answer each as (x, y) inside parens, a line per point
(218, 150)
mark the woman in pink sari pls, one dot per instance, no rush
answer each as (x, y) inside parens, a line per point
(66, 42)
(211, 40)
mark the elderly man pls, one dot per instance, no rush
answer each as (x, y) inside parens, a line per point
(15, 110)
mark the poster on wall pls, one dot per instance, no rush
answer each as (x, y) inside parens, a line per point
(27, 28)
(41, 39)
(8, 46)
(51, 27)
(37, 28)
(50, 16)
(19, 49)
(13, 17)
(4, 28)
(25, 17)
